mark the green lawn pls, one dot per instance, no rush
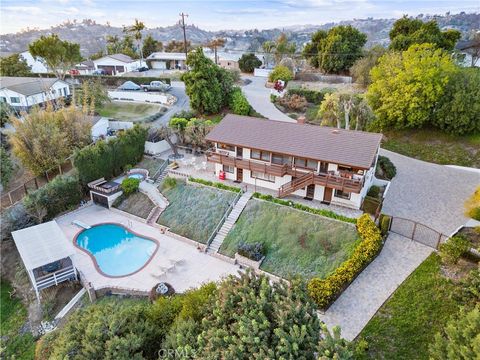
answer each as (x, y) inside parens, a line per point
(296, 242)
(13, 316)
(137, 204)
(128, 111)
(406, 324)
(194, 210)
(151, 164)
(435, 146)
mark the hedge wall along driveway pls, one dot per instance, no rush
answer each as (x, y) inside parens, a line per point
(296, 242)
(194, 210)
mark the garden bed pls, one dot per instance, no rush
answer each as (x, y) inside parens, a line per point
(137, 204)
(194, 210)
(296, 242)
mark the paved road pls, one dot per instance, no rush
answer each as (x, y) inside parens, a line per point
(259, 98)
(362, 299)
(183, 103)
(431, 194)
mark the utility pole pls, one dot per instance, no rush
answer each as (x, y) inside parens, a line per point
(184, 33)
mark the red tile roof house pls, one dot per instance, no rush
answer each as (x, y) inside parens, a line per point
(331, 165)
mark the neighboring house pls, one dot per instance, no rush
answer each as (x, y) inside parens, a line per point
(327, 164)
(37, 65)
(228, 64)
(116, 64)
(166, 61)
(466, 48)
(103, 127)
(24, 92)
(85, 67)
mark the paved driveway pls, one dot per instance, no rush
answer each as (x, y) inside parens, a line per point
(259, 98)
(183, 103)
(362, 299)
(431, 194)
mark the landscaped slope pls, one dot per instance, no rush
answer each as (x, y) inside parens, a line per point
(137, 204)
(296, 242)
(194, 210)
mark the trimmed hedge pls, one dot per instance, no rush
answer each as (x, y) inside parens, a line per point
(239, 103)
(321, 212)
(215, 184)
(110, 158)
(388, 170)
(325, 291)
(312, 96)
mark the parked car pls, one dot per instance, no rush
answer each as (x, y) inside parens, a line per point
(74, 72)
(129, 86)
(143, 68)
(99, 72)
(156, 86)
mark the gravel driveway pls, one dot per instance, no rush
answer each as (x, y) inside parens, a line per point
(431, 194)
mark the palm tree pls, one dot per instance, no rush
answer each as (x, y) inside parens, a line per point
(136, 29)
(268, 48)
(214, 44)
(113, 43)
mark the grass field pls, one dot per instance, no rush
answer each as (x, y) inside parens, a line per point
(13, 316)
(406, 324)
(137, 204)
(435, 146)
(128, 111)
(194, 211)
(296, 242)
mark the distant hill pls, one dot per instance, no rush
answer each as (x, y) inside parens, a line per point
(91, 35)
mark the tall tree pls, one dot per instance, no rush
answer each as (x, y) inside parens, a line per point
(407, 31)
(361, 68)
(136, 30)
(268, 47)
(406, 87)
(59, 55)
(248, 62)
(14, 65)
(283, 48)
(150, 45)
(214, 44)
(337, 49)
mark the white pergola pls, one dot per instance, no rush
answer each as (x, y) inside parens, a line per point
(41, 246)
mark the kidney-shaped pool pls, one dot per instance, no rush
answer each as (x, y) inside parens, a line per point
(116, 250)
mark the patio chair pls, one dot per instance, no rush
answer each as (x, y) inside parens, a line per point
(159, 276)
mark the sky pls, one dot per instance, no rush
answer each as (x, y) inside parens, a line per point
(16, 15)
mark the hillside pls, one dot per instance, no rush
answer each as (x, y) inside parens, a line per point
(91, 35)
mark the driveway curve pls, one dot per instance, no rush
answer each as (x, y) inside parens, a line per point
(431, 194)
(182, 103)
(259, 98)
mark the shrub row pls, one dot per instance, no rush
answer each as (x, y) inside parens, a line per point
(312, 96)
(387, 169)
(325, 291)
(215, 184)
(109, 158)
(238, 103)
(321, 212)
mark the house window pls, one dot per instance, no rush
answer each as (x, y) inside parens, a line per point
(306, 164)
(342, 195)
(323, 167)
(65, 91)
(263, 176)
(15, 100)
(228, 169)
(260, 155)
(3, 99)
(280, 159)
(226, 147)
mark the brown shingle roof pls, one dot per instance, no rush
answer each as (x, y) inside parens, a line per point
(346, 147)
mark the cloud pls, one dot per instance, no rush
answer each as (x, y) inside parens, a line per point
(29, 10)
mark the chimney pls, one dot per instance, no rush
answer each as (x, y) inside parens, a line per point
(301, 119)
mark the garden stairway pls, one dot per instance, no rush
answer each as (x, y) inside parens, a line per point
(154, 215)
(229, 222)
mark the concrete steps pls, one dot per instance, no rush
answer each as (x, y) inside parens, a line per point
(154, 215)
(229, 222)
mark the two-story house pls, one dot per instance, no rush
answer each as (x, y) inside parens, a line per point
(331, 165)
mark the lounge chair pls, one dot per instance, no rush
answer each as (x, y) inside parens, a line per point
(81, 224)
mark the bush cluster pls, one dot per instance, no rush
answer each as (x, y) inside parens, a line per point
(384, 224)
(129, 186)
(321, 212)
(61, 194)
(280, 72)
(215, 184)
(451, 250)
(238, 103)
(248, 62)
(293, 102)
(109, 158)
(253, 251)
(312, 96)
(325, 291)
(374, 191)
(169, 183)
(385, 168)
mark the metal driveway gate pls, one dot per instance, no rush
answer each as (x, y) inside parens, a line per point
(416, 231)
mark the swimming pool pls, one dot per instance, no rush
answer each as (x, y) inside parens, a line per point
(136, 176)
(116, 250)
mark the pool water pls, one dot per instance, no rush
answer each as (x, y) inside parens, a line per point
(117, 251)
(135, 176)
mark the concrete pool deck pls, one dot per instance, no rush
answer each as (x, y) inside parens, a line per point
(195, 269)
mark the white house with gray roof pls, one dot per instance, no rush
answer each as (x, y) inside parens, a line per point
(24, 92)
(116, 64)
